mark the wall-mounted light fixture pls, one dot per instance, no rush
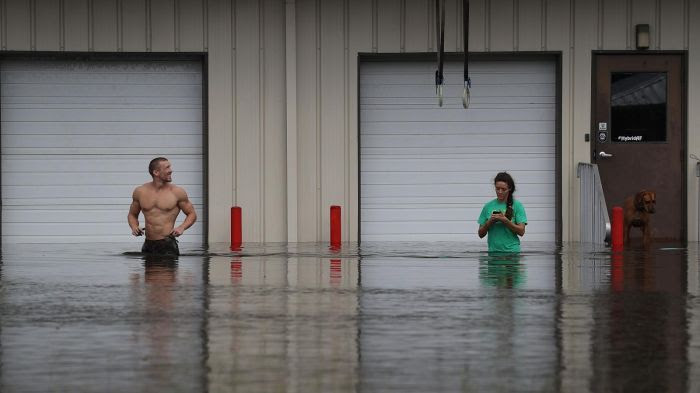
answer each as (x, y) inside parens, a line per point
(642, 34)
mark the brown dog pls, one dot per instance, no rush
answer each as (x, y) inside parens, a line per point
(637, 214)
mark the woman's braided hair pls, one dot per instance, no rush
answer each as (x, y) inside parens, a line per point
(506, 178)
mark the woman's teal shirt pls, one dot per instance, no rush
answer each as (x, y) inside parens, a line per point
(500, 238)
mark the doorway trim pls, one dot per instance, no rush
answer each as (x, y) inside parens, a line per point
(684, 118)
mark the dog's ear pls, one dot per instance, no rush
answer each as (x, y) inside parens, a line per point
(639, 200)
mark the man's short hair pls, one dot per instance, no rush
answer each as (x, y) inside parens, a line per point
(154, 164)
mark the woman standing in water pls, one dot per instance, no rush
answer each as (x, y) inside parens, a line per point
(503, 218)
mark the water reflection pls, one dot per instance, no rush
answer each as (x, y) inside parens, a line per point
(501, 270)
(376, 317)
(283, 322)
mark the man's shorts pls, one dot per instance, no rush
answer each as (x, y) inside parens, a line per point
(166, 246)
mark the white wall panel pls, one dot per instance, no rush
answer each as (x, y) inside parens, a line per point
(162, 24)
(529, 16)
(333, 152)
(48, 24)
(418, 37)
(501, 33)
(70, 164)
(105, 18)
(275, 177)
(133, 25)
(191, 24)
(615, 24)
(478, 26)
(222, 173)
(430, 184)
(308, 101)
(18, 25)
(644, 11)
(75, 25)
(672, 23)
(388, 25)
(249, 116)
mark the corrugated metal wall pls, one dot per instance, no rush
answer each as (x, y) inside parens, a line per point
(253, 91)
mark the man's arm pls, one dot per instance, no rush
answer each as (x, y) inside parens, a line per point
(133, 216)
(183, 202)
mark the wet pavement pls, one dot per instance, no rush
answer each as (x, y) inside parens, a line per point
(383, 317)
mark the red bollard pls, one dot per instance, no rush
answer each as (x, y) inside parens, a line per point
(335, 226)
(617, 224)
(236, 231)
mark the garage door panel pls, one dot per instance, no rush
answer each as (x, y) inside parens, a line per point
(77, 137)
(538, 140)
(123, 127)
(438, 227)
(455, 68)
(456, 164)
(441, 152)
(453, 189)
(484, 78)
(79, 229)
(448, 237)
(69, 191)
(89, 141)
(76, 214)
(459, 177)
(457, 114)
(102, 115)
(89, 164)
(426, 171)
(103, 67)
(147, 151)
(443, 214)
(95, 178)
(103, 90)
(382, 127)
(452, 200)
(477, 102)
(454, 92)
(64, 77)
(50, 203)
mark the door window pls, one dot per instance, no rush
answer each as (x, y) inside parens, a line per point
(638, 107)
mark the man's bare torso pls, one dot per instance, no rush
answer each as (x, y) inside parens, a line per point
(160, 208)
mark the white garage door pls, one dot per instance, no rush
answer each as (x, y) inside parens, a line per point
(77, 137)
(426, 171)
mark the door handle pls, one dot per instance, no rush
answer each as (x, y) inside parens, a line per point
(603, 154)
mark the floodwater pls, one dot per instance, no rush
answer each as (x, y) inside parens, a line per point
(382, 317)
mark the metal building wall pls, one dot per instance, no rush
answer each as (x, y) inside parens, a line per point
(282, 80)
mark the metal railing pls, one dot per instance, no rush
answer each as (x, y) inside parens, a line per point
(595, 221)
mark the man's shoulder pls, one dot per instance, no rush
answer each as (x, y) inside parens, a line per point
(177, 190)
(142, 188)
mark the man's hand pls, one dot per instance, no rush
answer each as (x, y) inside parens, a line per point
(177, 232)
(136, 231)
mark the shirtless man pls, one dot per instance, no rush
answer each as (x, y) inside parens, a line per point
(161, 202)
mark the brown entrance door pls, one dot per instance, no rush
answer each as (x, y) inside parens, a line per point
(638, 135)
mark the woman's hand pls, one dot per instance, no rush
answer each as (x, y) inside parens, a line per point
(498, 217)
